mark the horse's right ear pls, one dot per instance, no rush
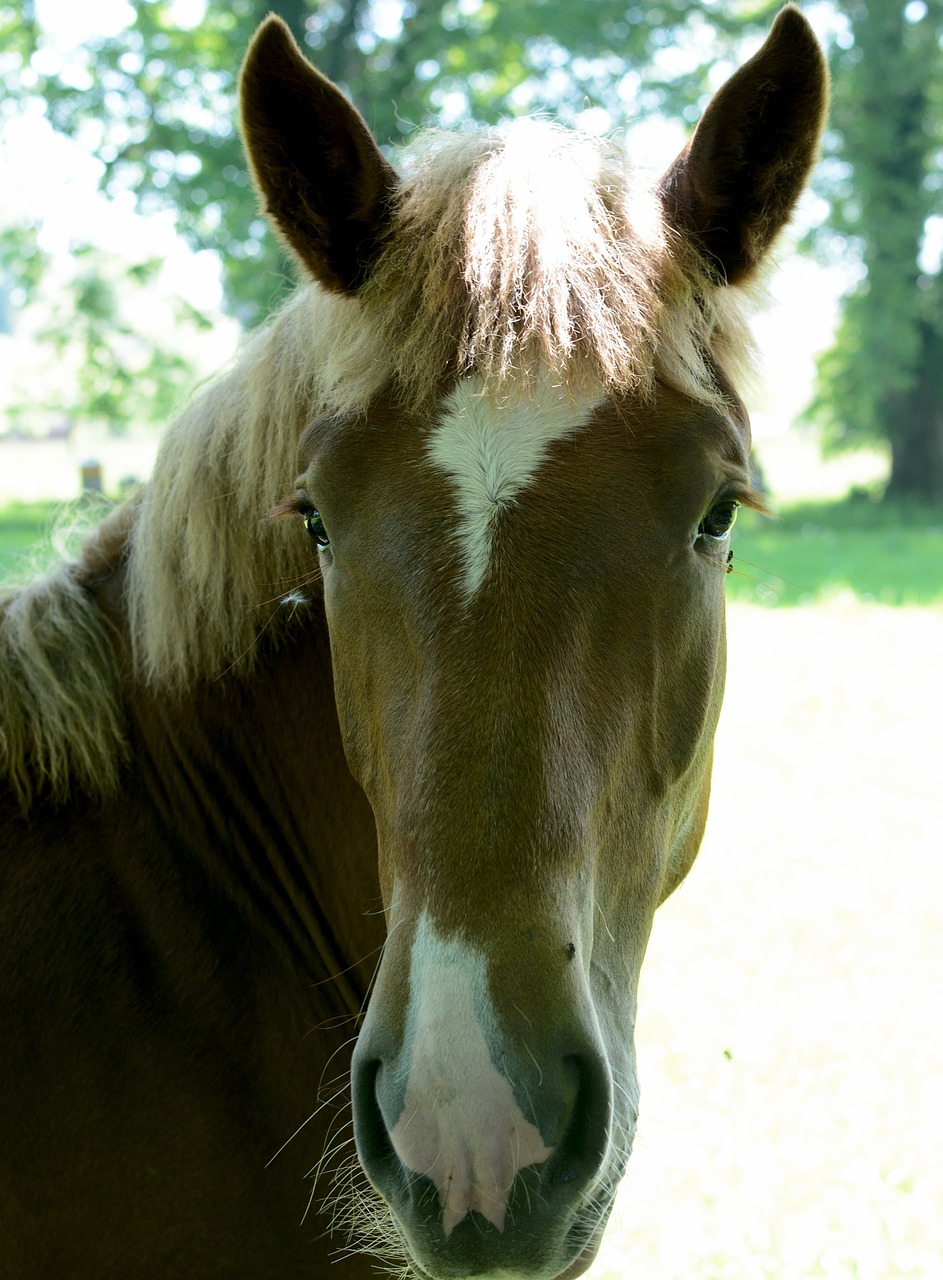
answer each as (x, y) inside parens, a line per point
(323, 180)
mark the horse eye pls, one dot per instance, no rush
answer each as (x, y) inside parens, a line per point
(719, 520)
(315, 527)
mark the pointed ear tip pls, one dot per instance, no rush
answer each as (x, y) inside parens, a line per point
(271, 25)
(792, 35)
(791, 24)
(791, 17)
(272, 51)
(272, 37)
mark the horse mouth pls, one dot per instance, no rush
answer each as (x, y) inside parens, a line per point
(597, 1213)
(578, 1267)
(585, 1235)
(587, 1255)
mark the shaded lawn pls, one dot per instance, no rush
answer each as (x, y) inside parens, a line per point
(27, 531)
(22, 526)
(815, 551)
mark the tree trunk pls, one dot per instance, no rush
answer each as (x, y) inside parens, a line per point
(915, 428)
(884, 377)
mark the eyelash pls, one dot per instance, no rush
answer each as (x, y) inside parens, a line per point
(299, 504)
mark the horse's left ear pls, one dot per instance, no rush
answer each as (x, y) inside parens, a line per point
(735, 184)
(322, 177)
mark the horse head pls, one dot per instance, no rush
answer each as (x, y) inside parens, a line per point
(521, 515)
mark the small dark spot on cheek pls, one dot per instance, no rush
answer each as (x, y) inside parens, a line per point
(571, 950)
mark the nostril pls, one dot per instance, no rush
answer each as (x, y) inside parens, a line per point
(583, 1149)
(372, 1137)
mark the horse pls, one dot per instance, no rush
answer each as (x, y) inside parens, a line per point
(344, 768)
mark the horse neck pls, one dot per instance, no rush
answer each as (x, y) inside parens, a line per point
(248, 779)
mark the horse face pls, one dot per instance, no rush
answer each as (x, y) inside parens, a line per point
(523, 588)
(526, 618)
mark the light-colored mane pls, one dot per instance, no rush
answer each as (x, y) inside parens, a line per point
(514, 253)
(533, 249)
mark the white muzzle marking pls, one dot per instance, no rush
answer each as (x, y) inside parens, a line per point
(461, 1125)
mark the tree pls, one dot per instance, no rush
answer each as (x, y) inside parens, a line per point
(160, 99)
(95, 334)
(100, 350)
(883, 379)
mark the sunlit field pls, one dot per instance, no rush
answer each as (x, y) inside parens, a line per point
(791, 1013)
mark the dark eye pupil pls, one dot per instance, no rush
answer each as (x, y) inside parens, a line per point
(315, 527)
(719, 520)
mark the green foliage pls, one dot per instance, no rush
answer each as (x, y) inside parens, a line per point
(159, 103)
(22, 260)
(122, 375)
(103, 330)
(19, 37)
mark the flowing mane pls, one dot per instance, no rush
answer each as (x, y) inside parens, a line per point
(515, 253)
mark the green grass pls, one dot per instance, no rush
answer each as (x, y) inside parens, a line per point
(815, 552)
(26, 531)
(23, 525)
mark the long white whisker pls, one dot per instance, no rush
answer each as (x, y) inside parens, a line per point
(327, 1101)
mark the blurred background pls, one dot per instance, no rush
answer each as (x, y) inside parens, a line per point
(791, 1025)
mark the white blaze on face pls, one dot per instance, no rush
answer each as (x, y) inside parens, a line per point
(491, 452)
(460, 1125)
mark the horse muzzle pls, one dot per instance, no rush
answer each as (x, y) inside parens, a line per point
(473, 1188)
(489, 1137)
